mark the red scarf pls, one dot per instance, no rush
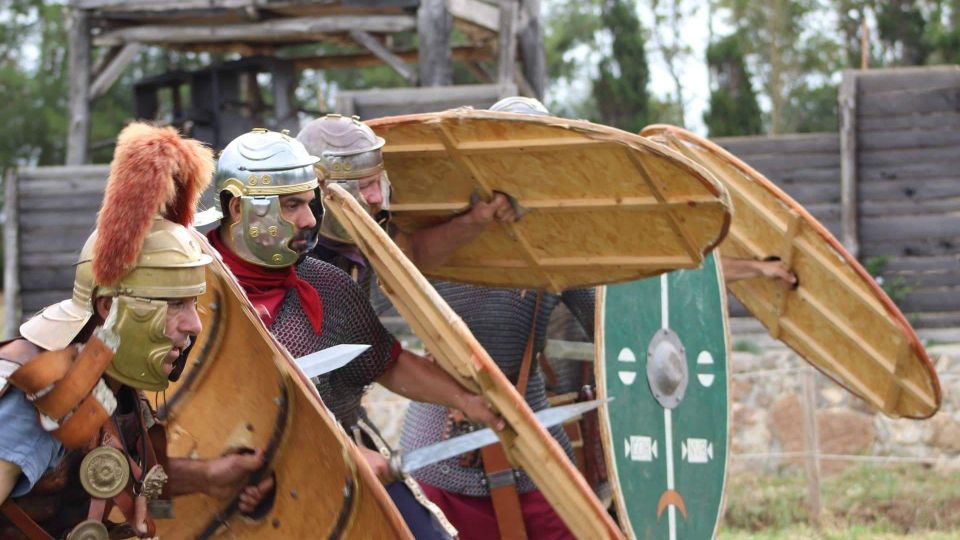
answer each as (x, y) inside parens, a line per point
(267, 287)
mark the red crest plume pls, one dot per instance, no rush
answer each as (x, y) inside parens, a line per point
(154, 171)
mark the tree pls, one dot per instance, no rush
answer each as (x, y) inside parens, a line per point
(672, 44)
(733, 103)
(620, 90)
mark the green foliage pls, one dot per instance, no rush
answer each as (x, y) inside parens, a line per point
(745, 345)
(620, 89)
(897, 288)
(867, 501)
(733, 103)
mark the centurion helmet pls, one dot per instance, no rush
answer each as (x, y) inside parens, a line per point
(350, 153)
(259, 167)
(141, 255)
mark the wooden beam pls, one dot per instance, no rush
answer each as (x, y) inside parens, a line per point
(104, 60)
(383, 53)
(434, 25)
(78, 128)
(507, 41)
(11, 257)
(114, 69)
(849, 221)
(410, 56)
(476, 12)
(282, 30)
(523, 86)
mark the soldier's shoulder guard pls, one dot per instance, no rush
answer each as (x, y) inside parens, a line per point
(65, 386)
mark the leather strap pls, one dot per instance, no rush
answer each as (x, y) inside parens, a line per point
(78, 382)
(524, 376)
(43, 370)
(502, 485)
(22, 521)
(501, 481)
(82, 426)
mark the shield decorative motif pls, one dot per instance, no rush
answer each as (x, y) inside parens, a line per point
(663, 346)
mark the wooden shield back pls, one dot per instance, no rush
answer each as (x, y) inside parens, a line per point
(602, 205)
(242, 391)
(451, 343)
(838, 318)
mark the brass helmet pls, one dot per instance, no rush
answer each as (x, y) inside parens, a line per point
(137, 257)
(521, 105)
(349, 152)
(259, 167)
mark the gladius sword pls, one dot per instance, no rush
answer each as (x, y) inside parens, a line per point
(329, 359)
(405, 462)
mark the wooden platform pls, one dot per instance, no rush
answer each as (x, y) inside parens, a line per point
(601, 205)
(838, 318)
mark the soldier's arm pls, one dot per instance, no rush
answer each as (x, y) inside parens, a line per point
(735, 269)
(420, 379)
(431, 247)
(221, 477)
(9, 474)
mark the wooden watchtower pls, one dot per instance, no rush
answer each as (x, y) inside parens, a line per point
(503, 30)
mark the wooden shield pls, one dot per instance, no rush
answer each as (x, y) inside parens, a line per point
(662, 349)
(243, 392)
(601, 205)
(838, 318)
(446, 336)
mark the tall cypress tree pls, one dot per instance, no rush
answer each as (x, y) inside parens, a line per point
(733, 103)
(620, 90)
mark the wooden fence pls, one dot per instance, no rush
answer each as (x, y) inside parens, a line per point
(897, 158)
(888, 185)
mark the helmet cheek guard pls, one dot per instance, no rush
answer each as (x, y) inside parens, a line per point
(138, 324)
(259, 168)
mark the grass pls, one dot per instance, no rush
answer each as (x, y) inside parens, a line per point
(745, 345)
(871, 501)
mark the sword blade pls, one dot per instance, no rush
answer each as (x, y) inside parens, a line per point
(428, 455)
(329, 359)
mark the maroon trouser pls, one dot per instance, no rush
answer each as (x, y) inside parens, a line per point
(474, 518)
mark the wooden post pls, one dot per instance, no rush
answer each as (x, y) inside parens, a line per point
(849, 221)
(507, 42)
(284, 79)
(530, 40)
(811, 443)
(11, 257)
(78, 128)
(434, 24)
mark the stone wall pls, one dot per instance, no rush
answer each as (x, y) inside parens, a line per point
(767, 414)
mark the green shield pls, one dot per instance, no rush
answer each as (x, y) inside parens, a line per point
(663, 354)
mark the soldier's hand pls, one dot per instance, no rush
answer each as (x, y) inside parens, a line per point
(251, 495)
(499, 209)
(478, 410)
(225, 475)
(775, 271)
(379, 464)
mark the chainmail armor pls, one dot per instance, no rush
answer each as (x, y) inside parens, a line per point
(347, 318)
(501, 320)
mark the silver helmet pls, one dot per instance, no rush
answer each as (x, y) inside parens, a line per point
(350, 153)
(259, 167)
(521, 105)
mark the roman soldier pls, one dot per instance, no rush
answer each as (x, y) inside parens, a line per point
(79, 438)
(270, 212)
